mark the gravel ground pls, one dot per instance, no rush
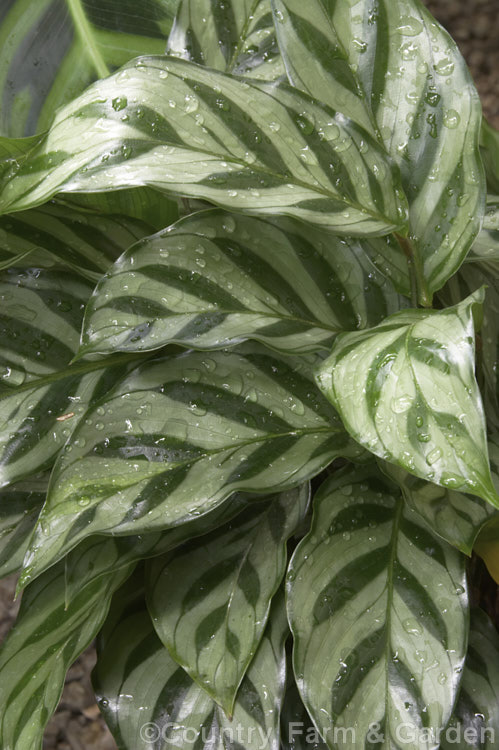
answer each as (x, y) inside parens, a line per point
(77, 725)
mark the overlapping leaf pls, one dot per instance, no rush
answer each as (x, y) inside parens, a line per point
(406, 390)
(41, 396)
(50, 51)
(173, 125)
(45, 641)
(489, 142)
(20, 506)
(211, 601)
(236, 36)
(377, 606)
(178, 436)
(135, 670)
(391, 66)
(57, 235)
(216, 279)
(98, 555)
(297, 730)
(476, 717)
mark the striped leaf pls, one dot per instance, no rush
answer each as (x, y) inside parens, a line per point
(98, 555)
(41, 397)
(476, 717)
(55, 235)
(406, 391)
(489, 142)
(211, 601)
(45, 641)
(454, 516)
(236, 37)
(20, 506)
(177, 437)
(297, 730)
(391, 67)
(486, 246)
(181, 128)
(50, 51)
(210, 281)
(378, 610)
(135, 673)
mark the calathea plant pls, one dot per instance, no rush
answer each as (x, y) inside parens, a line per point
(261, 258)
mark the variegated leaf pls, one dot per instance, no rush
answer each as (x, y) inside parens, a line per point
(486, 246)
(135, 670)
(55, 235)
(46, 639)
(99, 555)
(378, 610)
(20, 506)
(393, 68)
(177, 437)
(489, 142)
(51, 50)
(173, 125)
(476, 717)
(41, 396)
(210, 601)
(210, 281)
(237, 37)
(406, 391)
(297, 729)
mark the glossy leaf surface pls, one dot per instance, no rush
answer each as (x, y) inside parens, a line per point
(210, 602)
(173, 125)
(41, 397)
(406, 390)
(132, 661)
(52, 50)
(236, 37)
(215, 279)
(378, 610)
(45, 641)
(20, 506)
(476, 716)
(178, 436)
(393, 67)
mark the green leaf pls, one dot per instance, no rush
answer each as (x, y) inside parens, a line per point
(378, 610)
(297, 730)
(211, 600)
(181, 128)
(41, 397)
(489, 141)
(454, 516)
(51, 51)
(98, 555)
(210, 281)
(54, 234)
(177, 437)
(476, 716)
(236, 37)
(45, 641)
(135, 670)
(20, 506)
(406, 391)
(393, 68)
(486, 246)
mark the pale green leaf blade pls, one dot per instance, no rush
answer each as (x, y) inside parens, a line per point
(454, 516)
(57, 235)
(210, 281)
(98, 555)
(51, 51)
(378, 610)
(178, 436)
(413, 83)
(184, 129)
(489, 141)
(210, 601)
(236, 37)
(41, 397)
(20, 506)
(476, 716)
(486, 246)
(45, 641)
(406, 391)
(174, 711)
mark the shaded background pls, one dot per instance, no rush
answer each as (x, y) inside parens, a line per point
(77, 725)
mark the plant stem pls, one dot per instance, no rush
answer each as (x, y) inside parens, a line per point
(419, 290)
